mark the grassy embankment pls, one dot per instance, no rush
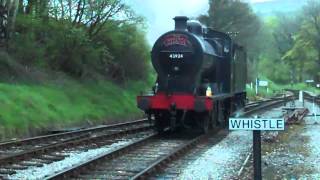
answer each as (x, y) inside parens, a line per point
(26, 108)
(30, 107)
(57, 71)
(34, 100)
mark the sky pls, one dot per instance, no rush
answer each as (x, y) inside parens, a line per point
(255, 1)
(159, 13)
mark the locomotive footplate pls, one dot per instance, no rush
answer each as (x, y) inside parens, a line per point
(162, 101)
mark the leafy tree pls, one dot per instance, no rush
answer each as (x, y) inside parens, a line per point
(303, 58)
(93, 14)
(232, 16)
(303, 40)
(310, 31)
(129, 46)
(8, 12)
(283, 34)
(81, 38)
(237, 17)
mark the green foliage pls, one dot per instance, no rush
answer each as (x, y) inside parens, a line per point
(52, 105)
(55, 51)
(275, 70)
(297, 39)
(238, 18)
(233, 16)
(9, 68)
(270, 63)
(274, 89)
(70, 50)
(277, 89)
(119, 52)
(24, 44)
(131, 58)
(285, 47)
(278, 37)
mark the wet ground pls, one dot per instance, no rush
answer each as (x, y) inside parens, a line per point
(296, 152)
(290, 154)
(73, 158)
(293, 154)
(219, 158)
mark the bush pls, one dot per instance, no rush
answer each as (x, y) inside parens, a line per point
(25, 46)
(119, 52)
(279, 73)
(129, 48)
(9, 69)
(70, 50)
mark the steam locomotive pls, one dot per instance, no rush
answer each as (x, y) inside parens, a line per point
(201, 78)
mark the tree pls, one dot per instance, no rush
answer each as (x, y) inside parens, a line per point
(237, 17)
(303, 55)
(82, 38)
(299, 42)
(93, 14)
(283, 34)
(8, 12)
(232, 16)
(310, 31)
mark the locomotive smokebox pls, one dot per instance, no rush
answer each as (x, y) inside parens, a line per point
(180, 57)
(181, 23)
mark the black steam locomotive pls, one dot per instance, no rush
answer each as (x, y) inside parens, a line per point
(201, 78)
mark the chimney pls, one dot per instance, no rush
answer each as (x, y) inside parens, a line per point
(181, 23)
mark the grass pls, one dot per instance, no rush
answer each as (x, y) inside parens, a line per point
(34, 99)
(27, 108)
(38, 107)
(276, 89)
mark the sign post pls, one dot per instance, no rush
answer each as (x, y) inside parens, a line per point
(257, 155)
(257, 125)
(257, 84)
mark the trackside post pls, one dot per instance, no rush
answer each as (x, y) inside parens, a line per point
(257, 125)
(257, 155)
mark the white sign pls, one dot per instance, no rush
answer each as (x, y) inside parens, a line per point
(263, 83)
(310, 81)
(261, 124)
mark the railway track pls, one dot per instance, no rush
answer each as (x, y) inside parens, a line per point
(306, 95)
(145, 157)
(178, 169)
(315, 99)
(36, 152)
(134, 161)
(28, 143)
(12, 160)
(265, 104)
